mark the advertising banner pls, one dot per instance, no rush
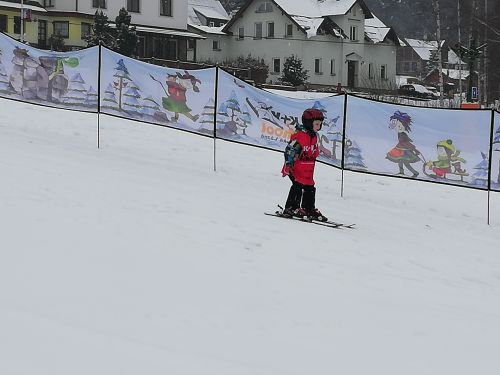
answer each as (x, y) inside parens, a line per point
(495, 154)
(440, 145)
(252, 116)
(57, 79)
(170, 97)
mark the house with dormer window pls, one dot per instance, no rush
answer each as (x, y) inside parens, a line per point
(207, 18)
(335, 40)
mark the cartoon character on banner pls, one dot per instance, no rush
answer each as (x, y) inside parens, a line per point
(177, 87)
(404, 153)
(41, 78)
(448, 161)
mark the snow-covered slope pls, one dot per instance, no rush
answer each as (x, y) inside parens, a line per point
(138, 258)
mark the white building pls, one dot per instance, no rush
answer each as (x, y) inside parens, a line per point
(161, 24)
(329, 36)
(207, 17)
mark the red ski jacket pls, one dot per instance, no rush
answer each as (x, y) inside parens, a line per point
(301, 167)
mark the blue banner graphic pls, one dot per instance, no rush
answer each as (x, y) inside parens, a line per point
(440, 145)
(56, 79)
(170, 97)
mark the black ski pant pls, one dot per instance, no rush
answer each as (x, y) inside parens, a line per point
(305, 194)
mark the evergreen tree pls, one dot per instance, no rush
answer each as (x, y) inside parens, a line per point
(126, 38)
(293, 72)
(121, 80)
(109, 100)
(433, 62)
(131, 101)
(100, 31)
(91, 99)
(480, 176)
(77, 93)
(207, 117)
(56, 42)
(353, 156)
(149, 106)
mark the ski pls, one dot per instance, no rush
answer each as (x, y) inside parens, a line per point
(330, 224)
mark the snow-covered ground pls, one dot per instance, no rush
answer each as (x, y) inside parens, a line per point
(138, 258)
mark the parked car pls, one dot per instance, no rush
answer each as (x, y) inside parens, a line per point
(417, 91)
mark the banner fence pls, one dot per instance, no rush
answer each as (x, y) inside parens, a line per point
(447, 146)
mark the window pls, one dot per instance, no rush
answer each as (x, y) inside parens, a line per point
(258, 30)
(265, 7)
(85, 30)
(99, 4)
(241, 33)
(166, 8)
(414, 66)
(354, 33)
(133, 6)
(17, 25)
(216, 45)
(332, 67)
(211, 24)
(289, 30)
(61, 28)
(191, 44)
(48, 3)
(270, 29)
(406, 66)
(3, 23)
(371, 72)
(354, 10)
(318, 69)
(383, 72)
(276, 65)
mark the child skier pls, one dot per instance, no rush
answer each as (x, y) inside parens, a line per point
(300, 157)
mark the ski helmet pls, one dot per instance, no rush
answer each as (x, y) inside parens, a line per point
(309, 116)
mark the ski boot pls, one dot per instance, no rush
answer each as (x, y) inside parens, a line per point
(288, 212)
(316, 214)
(300, 213)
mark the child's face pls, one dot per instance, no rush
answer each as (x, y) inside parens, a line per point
(317, 125)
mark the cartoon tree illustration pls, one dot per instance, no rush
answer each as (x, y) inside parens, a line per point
(149, 106)
(245, 118)
(121, 80)
(109, 99)
(91, 98)
(76, 92)
(230, 109)
(222, 112)
(131, 102)
(480, 176)
(207, 116)
(4, 79)
(353, 157)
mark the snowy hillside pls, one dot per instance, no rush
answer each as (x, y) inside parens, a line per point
(138, 258)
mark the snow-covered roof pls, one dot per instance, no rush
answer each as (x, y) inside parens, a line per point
(208, 29)
(455, 73)
(377, 31)
(9, 4)
(208, 8)
(320, 8)
(454, 59)
(310, 25)
(423, 48)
